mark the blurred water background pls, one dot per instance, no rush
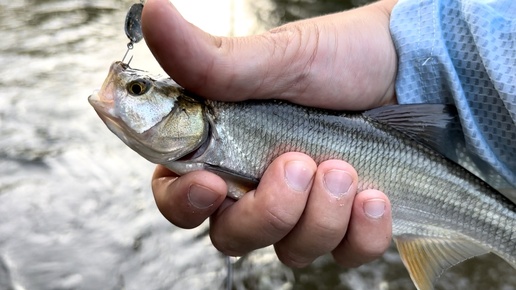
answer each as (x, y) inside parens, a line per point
(76, 209)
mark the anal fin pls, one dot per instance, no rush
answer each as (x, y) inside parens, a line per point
(426, 258)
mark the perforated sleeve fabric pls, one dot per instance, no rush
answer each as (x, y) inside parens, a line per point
(463, 52)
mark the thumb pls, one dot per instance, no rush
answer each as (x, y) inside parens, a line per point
(338, 61)
(215, 67)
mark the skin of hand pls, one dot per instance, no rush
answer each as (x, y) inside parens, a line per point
(340, 61)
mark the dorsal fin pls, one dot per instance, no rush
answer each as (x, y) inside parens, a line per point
(434, 125)
(426, 258)
(438, 127)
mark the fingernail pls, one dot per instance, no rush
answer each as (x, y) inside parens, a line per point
(201, 197)
(337, 182)
(374, 208)
(298, 175)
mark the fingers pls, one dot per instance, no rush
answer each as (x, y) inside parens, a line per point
(355, 228)
(265, 216)
(189, 200)
(325, 219)
(304, 210)
(370, 230)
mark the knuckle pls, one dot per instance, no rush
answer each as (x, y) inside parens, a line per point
(279, 222)
(327, 229)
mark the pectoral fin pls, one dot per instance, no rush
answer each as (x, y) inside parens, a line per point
(426, 258)
(238, 184)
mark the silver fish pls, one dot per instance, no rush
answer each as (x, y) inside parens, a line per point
(442, 214)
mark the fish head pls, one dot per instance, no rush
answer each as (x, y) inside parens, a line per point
(151, 115)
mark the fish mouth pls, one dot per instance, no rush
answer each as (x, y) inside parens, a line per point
(103, 101)
(132, 139)
(103, 108)
(104, 111)
(116, 125)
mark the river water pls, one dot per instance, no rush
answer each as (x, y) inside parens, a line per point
(76, 210)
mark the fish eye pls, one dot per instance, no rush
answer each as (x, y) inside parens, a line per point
(138, 87)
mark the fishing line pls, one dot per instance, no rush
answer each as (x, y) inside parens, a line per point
(229, 274)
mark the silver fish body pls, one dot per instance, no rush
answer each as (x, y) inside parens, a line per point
(442, 214)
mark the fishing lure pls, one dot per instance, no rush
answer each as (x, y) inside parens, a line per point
(133, 27)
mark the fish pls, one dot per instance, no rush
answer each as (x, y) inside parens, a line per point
(442, 213)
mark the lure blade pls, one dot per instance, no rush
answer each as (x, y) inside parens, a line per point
(133, 23)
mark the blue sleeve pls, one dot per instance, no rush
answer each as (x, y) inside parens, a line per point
(463, 52)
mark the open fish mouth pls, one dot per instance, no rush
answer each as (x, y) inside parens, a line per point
(95, 101)
(136, 141)
(105, 111)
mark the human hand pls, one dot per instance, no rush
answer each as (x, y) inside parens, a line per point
(347, 59)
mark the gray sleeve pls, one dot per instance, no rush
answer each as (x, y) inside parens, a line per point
(463, 52)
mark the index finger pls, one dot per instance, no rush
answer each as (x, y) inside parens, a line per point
(188, 200)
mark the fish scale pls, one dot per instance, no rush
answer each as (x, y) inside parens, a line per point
(426, 190)
(442, 214)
